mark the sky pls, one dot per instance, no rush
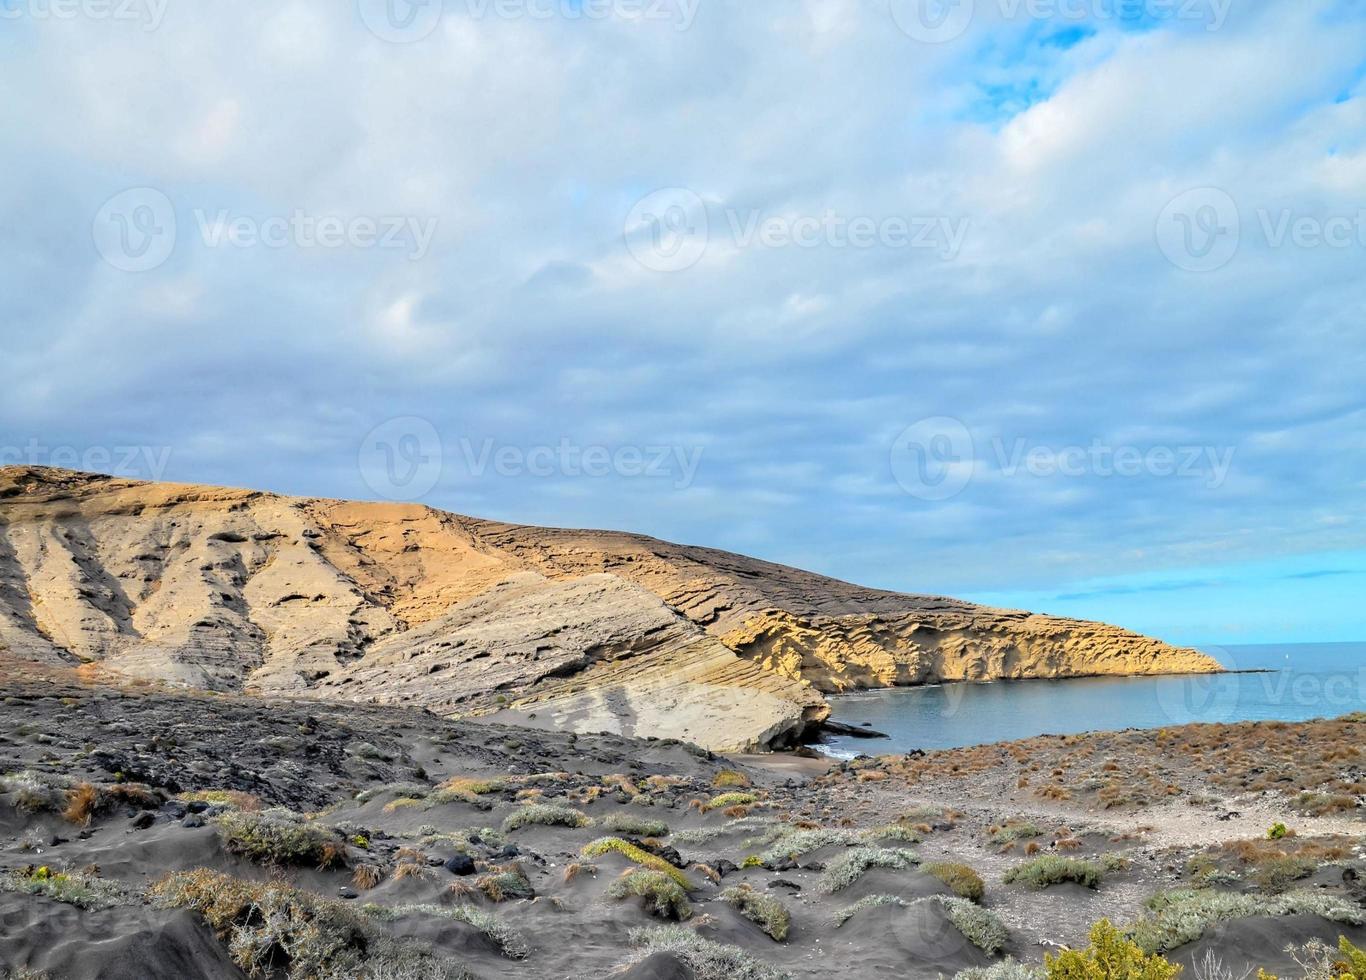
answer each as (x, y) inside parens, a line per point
(1052, 304)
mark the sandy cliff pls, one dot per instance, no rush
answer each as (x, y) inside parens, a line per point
(587, 630)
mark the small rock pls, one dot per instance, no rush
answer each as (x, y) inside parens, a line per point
(197, 807)
(192, 821)
(724, 867)
(346, 893)
(143, 820)
(509, 851)
(784, 883)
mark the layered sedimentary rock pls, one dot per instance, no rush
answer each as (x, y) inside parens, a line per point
(585, 630)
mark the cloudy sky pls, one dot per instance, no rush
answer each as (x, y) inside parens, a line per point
(1057, 304)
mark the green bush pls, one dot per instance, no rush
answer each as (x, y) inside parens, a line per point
(280, 837)
(849, 867)
(724, 800)
(770, 914)
(1181, 916)
(981, 927)
(1277, 831)
(625, 823)
(1109, 957)
(1051, 869)
(545, 815)
(274, 930)
(635, 855)
(662, 895)
(965, 882)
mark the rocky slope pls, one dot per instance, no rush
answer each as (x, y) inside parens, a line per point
(585, 630)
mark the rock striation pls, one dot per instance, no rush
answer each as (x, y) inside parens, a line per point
(239, 590)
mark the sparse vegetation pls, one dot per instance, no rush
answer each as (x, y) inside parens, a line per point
(846, 869)
(1277, 831)
(1052, 869)
(1012, 831)
(271, 929)
(770, 914)
(661, 894)
(708, 960)
(868, 902)
(69, 887)
(731, 778)
(506, 882)
(1007, 969)
(509, 941)
(222, 797)
(1178, 917)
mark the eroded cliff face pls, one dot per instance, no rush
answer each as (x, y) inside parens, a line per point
(590, 631)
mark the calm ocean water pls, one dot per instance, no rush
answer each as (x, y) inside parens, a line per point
(1306, 680)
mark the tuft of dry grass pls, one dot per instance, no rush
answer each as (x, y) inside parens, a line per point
(367, 876)
(82, 800)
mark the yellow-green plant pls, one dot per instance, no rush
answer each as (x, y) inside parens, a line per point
(1109, 957)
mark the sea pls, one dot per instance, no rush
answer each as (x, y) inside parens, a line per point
(1287, 682)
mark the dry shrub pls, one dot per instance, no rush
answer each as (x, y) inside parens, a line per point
(81, 803)
(367, 876)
